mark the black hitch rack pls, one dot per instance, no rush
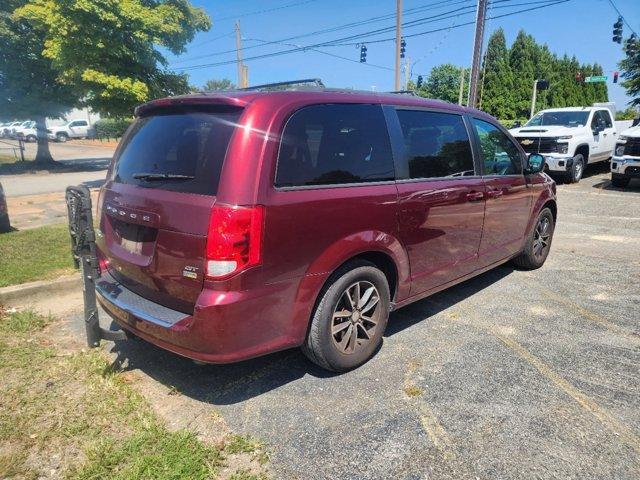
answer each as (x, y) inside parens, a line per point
(83, 249)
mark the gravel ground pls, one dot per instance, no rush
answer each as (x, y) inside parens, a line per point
(510, 375)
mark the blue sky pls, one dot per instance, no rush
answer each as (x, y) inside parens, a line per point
(580, 27)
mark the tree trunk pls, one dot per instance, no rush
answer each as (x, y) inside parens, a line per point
(43, 155)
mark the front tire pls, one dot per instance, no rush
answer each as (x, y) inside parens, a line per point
(620, 182)
(31, 138)
(538, 243)
(349, 319)
(577, 169)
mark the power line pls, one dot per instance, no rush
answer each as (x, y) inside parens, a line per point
(331, 43)
(265, 10)
(410, 11)
(621, 16)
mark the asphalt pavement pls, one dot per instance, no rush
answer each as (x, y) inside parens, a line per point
(510, 375)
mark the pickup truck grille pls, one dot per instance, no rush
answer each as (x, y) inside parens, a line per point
(538, 144)
(632, 147)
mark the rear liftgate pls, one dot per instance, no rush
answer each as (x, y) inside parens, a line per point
(83, 248)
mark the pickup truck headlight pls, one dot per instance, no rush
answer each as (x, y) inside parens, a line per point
(619, 150)
(622, 138)
(563, 147)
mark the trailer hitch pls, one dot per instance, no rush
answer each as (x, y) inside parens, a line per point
(83, 249)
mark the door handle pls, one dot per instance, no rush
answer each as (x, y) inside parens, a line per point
(494, 193)
(475, 196)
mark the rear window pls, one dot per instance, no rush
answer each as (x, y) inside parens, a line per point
(190, 145)
(335, 144)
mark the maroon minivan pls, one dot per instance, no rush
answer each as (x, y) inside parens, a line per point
(241, 223)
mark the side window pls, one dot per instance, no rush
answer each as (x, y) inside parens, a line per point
(606, 116)
(436, 144)
(598, 120)
(79, 123)
(334, 144)
(499, 154)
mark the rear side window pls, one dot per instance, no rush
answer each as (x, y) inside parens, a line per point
(436, 144)
(334, 144)
(190, 145)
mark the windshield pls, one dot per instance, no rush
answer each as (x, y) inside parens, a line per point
(576, 118)
(181, 152)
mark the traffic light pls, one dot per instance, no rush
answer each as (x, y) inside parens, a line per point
(578, 77)
(615, 77)
(363, 54)
(631, 45)
(403, 46)
(617, 31)
(419, 83)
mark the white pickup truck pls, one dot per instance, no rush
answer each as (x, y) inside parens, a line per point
(569, 138)
(625, 163)
(73, 129)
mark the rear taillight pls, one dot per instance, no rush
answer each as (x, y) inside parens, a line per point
(234, 240)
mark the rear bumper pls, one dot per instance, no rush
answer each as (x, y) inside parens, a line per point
(224, 327)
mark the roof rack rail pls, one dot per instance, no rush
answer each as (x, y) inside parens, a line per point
(405, 92)
(316, 82)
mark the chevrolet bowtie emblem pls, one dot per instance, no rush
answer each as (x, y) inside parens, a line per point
(526, 141)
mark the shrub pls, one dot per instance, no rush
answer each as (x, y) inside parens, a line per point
(111, 127)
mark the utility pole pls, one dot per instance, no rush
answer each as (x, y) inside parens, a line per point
(398, 40)
(461, 86)
(477, 53)
(241, 68)
(533, 98)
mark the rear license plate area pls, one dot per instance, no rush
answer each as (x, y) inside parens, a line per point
(132, 237)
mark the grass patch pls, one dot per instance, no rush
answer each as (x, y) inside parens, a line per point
(68, 414)
(413, 391)
(38, 254)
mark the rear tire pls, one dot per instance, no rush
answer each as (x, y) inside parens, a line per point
(577, 169)
(31, 138)
(337, 338)
(538, 244)
(62, 137)
(620, 182)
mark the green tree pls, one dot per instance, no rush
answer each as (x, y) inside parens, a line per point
(522, 58)
(29, 87)
(214, 85)
(107, 50)
(497, 82)
(443, 83)
(630, 71)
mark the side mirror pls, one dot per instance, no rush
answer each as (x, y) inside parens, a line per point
(517, 124)
(535, 163)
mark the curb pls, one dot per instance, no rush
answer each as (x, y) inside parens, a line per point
(32, 291)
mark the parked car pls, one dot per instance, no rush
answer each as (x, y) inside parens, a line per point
(241, 223)
(5, 224)
(625, 164)
(569, 138)
(7, 127)
(16, 131)
(28, 133)
(73, 129)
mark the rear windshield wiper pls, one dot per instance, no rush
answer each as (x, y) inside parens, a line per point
(161, 176)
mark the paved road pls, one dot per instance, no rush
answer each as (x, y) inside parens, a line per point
(94, 160)
(513, 374)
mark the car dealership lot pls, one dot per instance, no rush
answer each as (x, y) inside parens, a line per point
(510, 375)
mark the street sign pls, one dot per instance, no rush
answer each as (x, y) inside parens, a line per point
(600, 78)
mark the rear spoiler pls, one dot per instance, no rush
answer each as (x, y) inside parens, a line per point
(184, 102)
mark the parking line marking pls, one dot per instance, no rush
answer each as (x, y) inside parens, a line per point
(589, 315)
(583, 400)
(436, 431)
